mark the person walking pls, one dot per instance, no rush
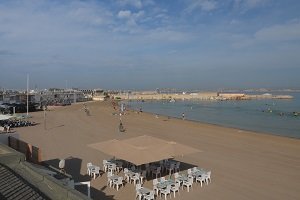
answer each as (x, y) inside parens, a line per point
(121, 127)
(183, 116)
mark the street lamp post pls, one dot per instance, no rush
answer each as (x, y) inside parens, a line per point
(27, 99)
(45, 117)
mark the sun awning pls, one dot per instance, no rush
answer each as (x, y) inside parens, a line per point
(143, 149)
(5, 117)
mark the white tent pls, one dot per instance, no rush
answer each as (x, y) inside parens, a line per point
(5, 117)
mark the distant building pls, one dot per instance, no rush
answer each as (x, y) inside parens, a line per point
(38, 99)
(231, 96)
(63, 96)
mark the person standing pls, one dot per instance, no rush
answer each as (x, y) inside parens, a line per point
(121, 127)
(183, 116)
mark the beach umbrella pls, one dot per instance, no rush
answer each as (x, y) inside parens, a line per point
(111, 147)
(142, 155)
(177, 149)
(135, 154)
(143, 149)
(145, 141)
(156, 144)
(5, 117)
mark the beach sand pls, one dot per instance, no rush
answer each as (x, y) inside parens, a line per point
(244, 164)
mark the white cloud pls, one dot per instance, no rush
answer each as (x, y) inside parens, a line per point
(124, 14)
(89, 14)
(75, 36)
(131, 18)
(234, 22)
(282, 32)
(135, 3)
(165, 34)
(204, 5)
(254, 3)
(275, 34)
(245, 5)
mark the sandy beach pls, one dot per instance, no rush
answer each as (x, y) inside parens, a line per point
(244, 164)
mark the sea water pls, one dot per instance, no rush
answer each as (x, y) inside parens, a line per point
(272, 116)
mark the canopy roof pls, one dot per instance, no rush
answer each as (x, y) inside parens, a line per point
(143, 149)
(5, 117)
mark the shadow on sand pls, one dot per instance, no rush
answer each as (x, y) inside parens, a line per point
(73, 168)
(58, 126)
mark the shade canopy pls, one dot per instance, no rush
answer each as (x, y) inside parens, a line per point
(5, 117)
(177, 149)
(143, 149)
(145, 141)
(112, 147)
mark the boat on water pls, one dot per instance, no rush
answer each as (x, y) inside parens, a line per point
(172, 101)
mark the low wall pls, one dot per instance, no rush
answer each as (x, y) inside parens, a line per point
(36, 179)
(32, 153)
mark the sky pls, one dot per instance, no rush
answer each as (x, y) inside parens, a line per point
(149, 44)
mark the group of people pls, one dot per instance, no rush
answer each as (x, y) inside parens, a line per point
(7, 125)
(5, 128)
(16, 123)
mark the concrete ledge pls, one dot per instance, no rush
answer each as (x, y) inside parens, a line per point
(58, 191)
(35, 176)
(10, 157)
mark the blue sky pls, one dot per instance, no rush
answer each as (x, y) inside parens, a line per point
(148, 44)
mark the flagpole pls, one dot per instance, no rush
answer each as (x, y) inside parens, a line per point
(27, 91)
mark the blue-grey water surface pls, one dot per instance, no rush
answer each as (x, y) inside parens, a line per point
(274, 116)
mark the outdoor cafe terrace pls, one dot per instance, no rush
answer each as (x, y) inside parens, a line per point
(148, 164)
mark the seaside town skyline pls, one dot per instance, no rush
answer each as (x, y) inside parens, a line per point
(149, 99)
(142, 45)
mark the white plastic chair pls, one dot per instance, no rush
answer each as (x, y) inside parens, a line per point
(137, 190)
(61, 165)
(88, 166)
(176, 178)
(135, 178)
(112, 167)
(147, 169)
(200, 179)
(194, 169)
(171, 168)
(143, 177)
(132, 168)
(149, 196)
(109, 180)
(95, 171)
(119, 166)
(166, 191)
(207, 177)
(176, 175)
(162, 165)
(188, 183)
(177, 166)
(155, 182)
(157, 172)
(126, 173)
(104, 165)
(118, 182)
(175, 188)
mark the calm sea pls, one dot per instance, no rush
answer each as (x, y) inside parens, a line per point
(268, 116)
